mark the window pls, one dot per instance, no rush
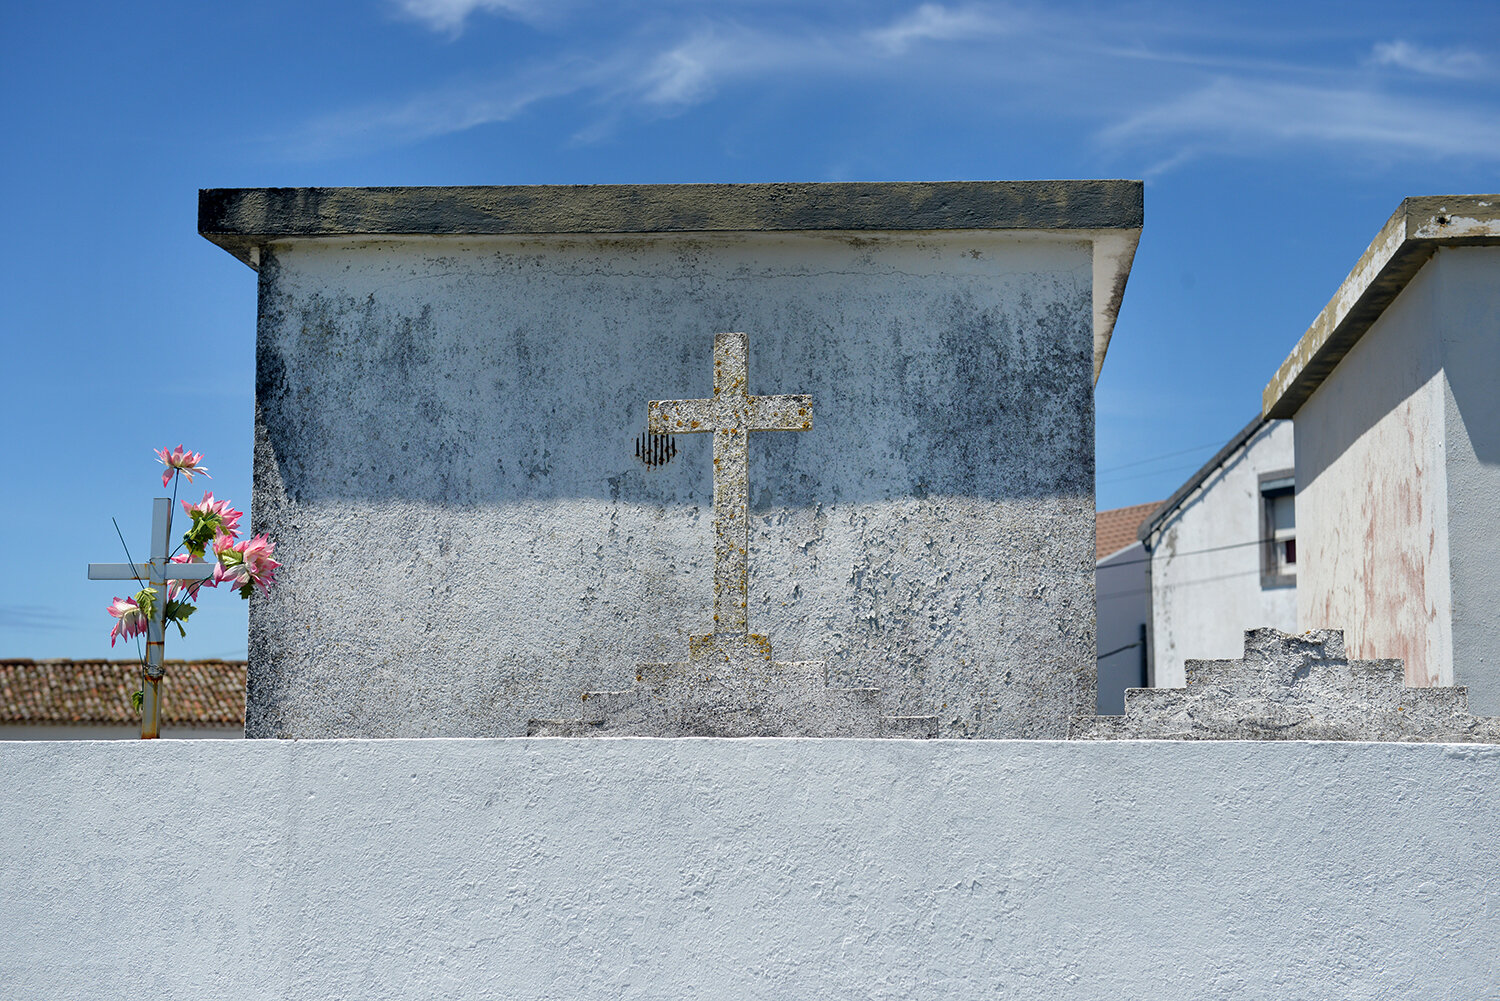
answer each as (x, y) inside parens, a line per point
(1278, 533)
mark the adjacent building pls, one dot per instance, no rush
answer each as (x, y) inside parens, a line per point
(1124, 605)
(1222, 554)
(90, 699)
(1392, 392)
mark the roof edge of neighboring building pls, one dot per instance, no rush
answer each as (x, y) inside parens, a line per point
(1409, 238)
(203, 692)
(1204, 472)
(1119, 525)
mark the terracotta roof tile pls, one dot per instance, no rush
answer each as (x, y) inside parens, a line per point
(1117, 528)
(195, 693)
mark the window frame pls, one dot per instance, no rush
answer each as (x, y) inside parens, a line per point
(1281, 483)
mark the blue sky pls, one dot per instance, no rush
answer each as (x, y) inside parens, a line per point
(1274, 138)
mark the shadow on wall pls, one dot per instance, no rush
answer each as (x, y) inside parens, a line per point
(1471, 345)
(949, 397)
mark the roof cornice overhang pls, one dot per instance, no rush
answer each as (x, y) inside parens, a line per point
(1417, 229)
(1106, 213)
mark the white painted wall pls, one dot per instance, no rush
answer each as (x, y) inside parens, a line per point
(1205, 570)
(835, 869)
(1468, 289)
(1372, 491)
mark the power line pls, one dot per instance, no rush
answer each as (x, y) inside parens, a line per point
(1179, 468)
(1190, 552)
(1175, 584)
(1164, 455)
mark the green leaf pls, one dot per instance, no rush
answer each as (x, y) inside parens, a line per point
(145, 600)
(137, 699)
(205, 527)
(177, 614)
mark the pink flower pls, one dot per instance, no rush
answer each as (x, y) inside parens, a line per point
(129, 620)
(245, 565)
(179, 460)
(208, 509)
(190, 586)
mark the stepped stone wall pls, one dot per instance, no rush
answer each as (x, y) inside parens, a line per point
(1286, 687)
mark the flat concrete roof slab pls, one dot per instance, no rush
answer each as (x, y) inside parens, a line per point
(1415, 231)
(1108, 213)
(239, 218)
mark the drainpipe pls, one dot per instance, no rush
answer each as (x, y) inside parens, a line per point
(1148, 628)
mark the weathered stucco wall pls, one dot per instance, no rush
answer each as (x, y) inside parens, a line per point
(1372, 492)
(1468, 289)
(445, 456)
(1205, 570)
(629, 869)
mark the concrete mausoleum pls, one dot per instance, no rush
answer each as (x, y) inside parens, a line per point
(452, 392)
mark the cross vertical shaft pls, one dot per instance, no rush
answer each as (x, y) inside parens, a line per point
(731, 415)
(156, 629)
(732, 486)
(157, 573)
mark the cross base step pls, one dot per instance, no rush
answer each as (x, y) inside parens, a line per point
(732, 687)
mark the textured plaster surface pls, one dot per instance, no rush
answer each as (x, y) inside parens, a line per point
(627, 869)
(445, 455)
(1372, 508)
(1206, 586)
(1303, 687)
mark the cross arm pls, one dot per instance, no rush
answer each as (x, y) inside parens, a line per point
(119, 571)
(147, 571)
(680, 416)
(780, 413)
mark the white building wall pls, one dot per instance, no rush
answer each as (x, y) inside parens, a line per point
(1206, 563)
(834, 869)
(1372, 505)
(1468, 288)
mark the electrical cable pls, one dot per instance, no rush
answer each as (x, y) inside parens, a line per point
(1191, 552)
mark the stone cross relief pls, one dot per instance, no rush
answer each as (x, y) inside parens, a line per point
(157, 572)
(730, 686)
(730, 415)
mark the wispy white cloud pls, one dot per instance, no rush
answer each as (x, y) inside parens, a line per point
(649, 75)
(689, 72)
(1155, 91)
(1458, 64)
(936, 23)
(425, 116)
(1233, 115)
(450, 16)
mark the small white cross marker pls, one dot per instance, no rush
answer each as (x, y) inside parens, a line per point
(731, 415)
(156, 573)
